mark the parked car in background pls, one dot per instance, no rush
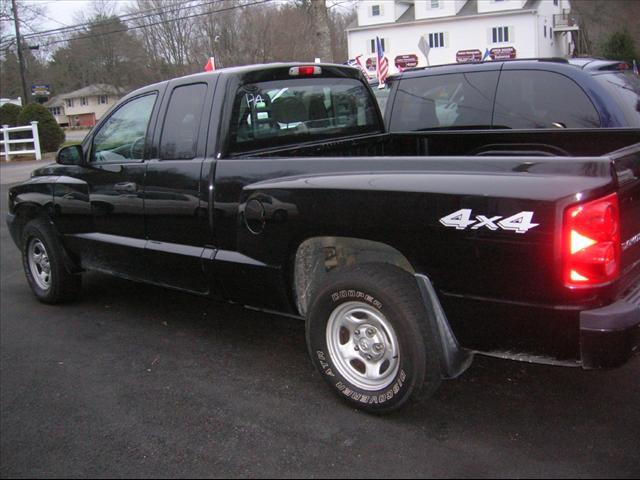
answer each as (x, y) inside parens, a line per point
(521, 94)
(619, 80)
(381, 94)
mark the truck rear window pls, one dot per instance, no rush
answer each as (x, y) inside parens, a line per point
(286, 112)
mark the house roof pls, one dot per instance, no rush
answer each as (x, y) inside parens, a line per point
(469, 9)
(56, 101)
(95, 89)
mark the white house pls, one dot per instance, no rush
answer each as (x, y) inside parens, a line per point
(461, 30)
(56, 107)
(84, 107)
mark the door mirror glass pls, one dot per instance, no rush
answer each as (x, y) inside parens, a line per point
(71, 155)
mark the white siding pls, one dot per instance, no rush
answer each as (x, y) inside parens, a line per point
(446, 8)
(463, 33)
(387, 12)
(92, 107)
(486, 6)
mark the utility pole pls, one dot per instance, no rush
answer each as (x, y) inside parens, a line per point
(20, 57)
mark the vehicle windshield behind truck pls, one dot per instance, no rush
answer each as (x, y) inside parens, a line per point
(284, 112)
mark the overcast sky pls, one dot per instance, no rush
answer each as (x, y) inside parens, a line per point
(61, 13)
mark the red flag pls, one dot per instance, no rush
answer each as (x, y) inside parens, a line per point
(211, 65)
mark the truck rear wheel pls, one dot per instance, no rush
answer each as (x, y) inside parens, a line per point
(368, 335)
(44, 267)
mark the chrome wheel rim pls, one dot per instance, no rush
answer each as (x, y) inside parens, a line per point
(39, 265)
(363, 346)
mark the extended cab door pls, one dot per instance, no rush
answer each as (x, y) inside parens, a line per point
(114, 174)
(176, 219)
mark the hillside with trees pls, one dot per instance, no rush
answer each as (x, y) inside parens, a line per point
(153, 40)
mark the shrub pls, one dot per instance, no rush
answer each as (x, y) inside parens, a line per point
(9, 114)
(51, 135)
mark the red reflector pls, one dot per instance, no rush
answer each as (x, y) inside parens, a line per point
(591, 243)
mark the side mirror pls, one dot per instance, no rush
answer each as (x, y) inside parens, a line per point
(71, 155)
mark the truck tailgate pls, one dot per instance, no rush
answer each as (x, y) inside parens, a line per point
(626, 165)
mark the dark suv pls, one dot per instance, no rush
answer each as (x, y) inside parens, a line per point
(520, 94)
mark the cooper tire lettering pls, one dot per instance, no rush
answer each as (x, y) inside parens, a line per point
(382, 297)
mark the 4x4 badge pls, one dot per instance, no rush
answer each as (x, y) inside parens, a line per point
(460, 220)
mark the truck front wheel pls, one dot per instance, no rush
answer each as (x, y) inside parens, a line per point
(368, 335)
(43, 261)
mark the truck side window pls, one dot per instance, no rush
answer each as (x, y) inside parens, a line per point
(444, 101)
(182, 122)
(122, 137)
(287, 112)
(538, 99)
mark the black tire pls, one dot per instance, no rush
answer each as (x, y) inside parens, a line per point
(58, 284)
(387, 299)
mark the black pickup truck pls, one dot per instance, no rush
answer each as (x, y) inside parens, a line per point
(278, 187)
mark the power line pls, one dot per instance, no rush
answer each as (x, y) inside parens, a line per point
(124, 18)
(128, 29)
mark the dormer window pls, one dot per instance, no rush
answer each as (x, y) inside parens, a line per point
(375, 10)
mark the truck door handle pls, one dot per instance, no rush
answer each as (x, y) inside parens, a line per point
(128, 187)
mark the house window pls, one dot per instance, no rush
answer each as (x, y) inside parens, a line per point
(555, 2)
(83, 101)
(375, 10)
(69, 102)
(436, 40)
(102, 100)
(501, 34)
(550, 32)
(435, 3)
(382, 43)
(545, 31)
(55, 111)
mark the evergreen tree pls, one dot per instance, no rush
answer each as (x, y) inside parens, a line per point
(51, 135)
(619, 46)
(9, 114)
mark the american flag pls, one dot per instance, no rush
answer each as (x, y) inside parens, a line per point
(382, 65)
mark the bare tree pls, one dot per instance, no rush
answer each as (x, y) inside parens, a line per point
(167, 34)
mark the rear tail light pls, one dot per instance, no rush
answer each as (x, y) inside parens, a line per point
(591, 243)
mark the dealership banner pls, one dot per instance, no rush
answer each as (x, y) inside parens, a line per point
(503, 53)
(464, 56)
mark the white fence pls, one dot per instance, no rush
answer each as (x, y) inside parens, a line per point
(7, 142)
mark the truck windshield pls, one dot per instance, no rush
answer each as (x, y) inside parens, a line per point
(284, 112)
